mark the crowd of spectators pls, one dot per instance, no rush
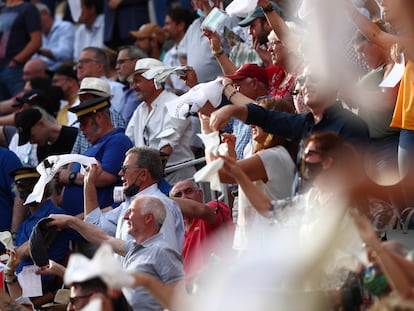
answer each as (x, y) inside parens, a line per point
(106, 111)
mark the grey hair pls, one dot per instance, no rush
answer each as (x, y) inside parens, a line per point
(152, 205)
(100, 56)
(149, 159)
(133, 51)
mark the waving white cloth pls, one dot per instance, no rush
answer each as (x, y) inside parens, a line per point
(196, 98)
(7, 240)
(102, 265)
(49, 167)
(241, 8)
(209, 173)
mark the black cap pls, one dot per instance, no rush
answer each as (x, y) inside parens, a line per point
(40, 240)
(90, 106)
(33, 97)
(24, 121)
(24, 173)
(67, 71)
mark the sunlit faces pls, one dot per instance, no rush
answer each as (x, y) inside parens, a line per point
(257, 30)
(144, 88)
(278, 52)
(315, 87)
(134, 219)
(258, 134)
(186, 190)
(371, 53)
(129, 171)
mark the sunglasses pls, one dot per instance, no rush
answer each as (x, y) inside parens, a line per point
(125, 167)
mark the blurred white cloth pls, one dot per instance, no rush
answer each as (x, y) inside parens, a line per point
(209, 173)
(241, 8)
(7, 240)
(102, 265)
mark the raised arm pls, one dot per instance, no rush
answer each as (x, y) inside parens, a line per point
(374, 34)
(257, 198)
(89, 231)
(289, 39)
(393, 265)
(193, 209)
(222, 58)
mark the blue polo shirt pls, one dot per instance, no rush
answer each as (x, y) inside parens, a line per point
(110, 151)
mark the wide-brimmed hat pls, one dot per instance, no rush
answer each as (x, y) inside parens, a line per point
(95, 86)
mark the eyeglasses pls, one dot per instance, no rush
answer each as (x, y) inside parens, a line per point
(311, 78)
(125, 167)
(121, 61)
(86, 61)
(74, 300)
(187, 191)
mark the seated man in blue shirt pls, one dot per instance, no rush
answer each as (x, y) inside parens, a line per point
(109, 146)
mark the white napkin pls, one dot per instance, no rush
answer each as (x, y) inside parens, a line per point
(49, 167)
(103, 265)
(209, 173)
(30, 282)
(196, 98)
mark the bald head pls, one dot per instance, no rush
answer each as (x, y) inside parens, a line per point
(35, 68)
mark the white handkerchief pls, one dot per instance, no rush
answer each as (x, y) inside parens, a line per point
(395, 74)
(30, 282)
(241, 8)
(7, 240)
(103, 265)
(49, 167)
(196, 98)
(209, 173)
(211, 142)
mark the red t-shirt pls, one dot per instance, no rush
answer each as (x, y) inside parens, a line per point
(203, 239)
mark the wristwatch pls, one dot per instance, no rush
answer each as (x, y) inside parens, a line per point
(72, 178)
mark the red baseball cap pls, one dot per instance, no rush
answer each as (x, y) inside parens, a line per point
(250, 71)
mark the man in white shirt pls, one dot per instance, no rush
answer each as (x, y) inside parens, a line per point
(91, 30)
(151, 125)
